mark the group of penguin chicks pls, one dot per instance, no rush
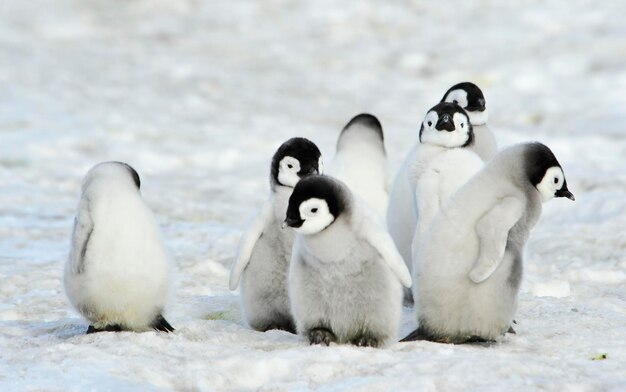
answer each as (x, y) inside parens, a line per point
(458, 215)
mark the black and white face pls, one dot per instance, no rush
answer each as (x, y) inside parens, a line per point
(316, 202)
(468, 96)
(446, 125)
(313, 216)
(295, 159)
(553, 184)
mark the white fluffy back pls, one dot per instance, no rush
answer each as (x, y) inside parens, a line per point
(361, 164)
(127, 269)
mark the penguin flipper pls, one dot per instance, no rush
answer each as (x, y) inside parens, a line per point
(106, 328)
(246, 245)
(161, 324)
(81, 234)
(383, 243)
(416, 335)
(493, 231)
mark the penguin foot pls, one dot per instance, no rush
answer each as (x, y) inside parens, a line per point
(365, 341)
(161, 324)
(282, 323)
(321, 336)
(511, 330)
(107, 328)
(418, 334)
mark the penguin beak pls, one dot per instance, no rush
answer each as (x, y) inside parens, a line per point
(564, 192)
(445, 123)
(291, 222)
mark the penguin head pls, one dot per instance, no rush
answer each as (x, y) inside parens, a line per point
(545, 173)
(447, 125)
(468, 96)
(316, 202)
(296, 158)
(113, 171)
(363, 126)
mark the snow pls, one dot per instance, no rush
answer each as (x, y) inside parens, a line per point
(197, 95)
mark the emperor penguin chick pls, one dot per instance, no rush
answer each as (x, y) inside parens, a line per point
(468, 268)
(432, 171)
(118, 272)
(470, 97)
(262, 260)
(346, 277)
(361, 161)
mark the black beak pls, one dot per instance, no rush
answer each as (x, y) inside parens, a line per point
(564, 192)
(291, 222)
(445, 123)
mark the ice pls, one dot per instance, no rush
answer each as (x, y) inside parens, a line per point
(197, 95)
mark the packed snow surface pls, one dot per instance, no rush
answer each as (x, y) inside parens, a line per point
(197, 95)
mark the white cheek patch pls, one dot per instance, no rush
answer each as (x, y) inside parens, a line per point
(288, 175)
(461, 124)
(316, 216)
(547, 187)
(460, 96)
(478, 118)
(432, 118)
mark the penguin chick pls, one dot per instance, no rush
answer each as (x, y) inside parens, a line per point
(470, 97)
(262, 260)
(346, 277)
(445, 127)
(468, 268)
(361, 161)
(118, 272)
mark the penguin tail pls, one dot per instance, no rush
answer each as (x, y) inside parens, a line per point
(161, 324)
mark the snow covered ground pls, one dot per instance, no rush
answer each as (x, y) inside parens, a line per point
(196, 95)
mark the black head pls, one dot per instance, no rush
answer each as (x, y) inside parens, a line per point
(133, 173)
(296, 158)
(545, 172)
(467, 95)
(447, 118)
(321, 199)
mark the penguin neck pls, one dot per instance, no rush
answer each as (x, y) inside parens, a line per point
(280, 201)
(331, 244)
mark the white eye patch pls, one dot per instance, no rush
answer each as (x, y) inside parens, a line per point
(551, 182)
(457, 96)
(316, 216)
(430, 120)
(288, 169)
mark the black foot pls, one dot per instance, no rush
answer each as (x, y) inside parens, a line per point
(418, 334)
(321, 336)
(511, 330)
(161, 324)
(478, 339)
(365, 341)
(281, 327)
(108, 328)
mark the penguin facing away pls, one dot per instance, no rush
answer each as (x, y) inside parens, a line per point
(468, 267)
(361, 161)
(471, 98)
(445, 127)
(118, 272)
(346, 277)
(264, 253)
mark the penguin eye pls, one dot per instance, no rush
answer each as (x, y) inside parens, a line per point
(556, 180)
(314, 210)
(462, 125)
(455, 102)
(290, 166)
(430, 123)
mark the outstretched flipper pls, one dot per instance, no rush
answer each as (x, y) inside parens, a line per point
(161, 324)
(493, 231)
(246, 245)
(83, 227)
(380, 239)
